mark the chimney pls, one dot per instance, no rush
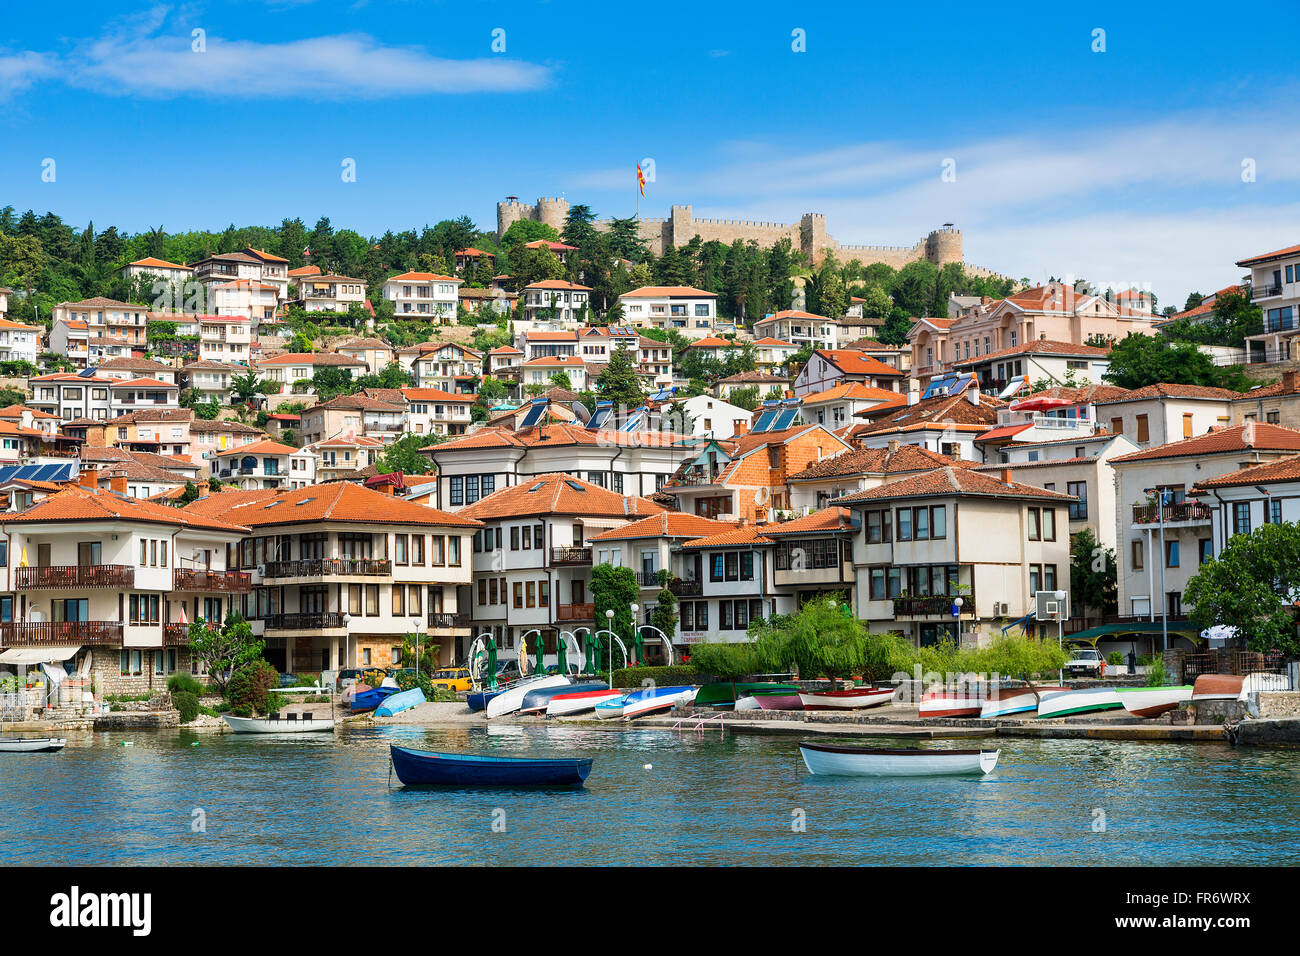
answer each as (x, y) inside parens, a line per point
(973, 394)
(742, 428)
(789, 393)
(90, 477)
(117, 482)
(1290, 381)
(913, 393)
(1006, 476)
(893, 446)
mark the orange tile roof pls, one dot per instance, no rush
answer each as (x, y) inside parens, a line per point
(853, 362)
(666, 524)
(342, 501)
(1284, 469)
(142, 383)
(558, 284)
(793, 314)
(854, 392)
(949, 482)
(18, 326)
(436, 395)
(559, 494)
(159, 263)
(939, 413)
(556, 360)
(555, 435)
(1249, 436)
(76, 503)
(422, 277)
(711, 342)
(308, 358)
(1038, 347)
(746, 534)
(263, 447)
(1276, 254)
(771, 342)
(829, 519)
(1172, 390)
(876, 461)
(305, 271)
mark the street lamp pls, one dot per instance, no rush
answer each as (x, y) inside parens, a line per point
(347, 638)
(415, 627)
(609, 626)
(634, 608)
(1059, 597)
(957, 603)
(1164, 600)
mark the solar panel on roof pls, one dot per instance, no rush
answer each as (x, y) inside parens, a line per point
(635, 421)
(785, 419)
(1013, 386)
(601, 415)
(764, 421)
(939, 386)
(534, 413)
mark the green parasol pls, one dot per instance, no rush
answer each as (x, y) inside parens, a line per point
(638, 648)
(541, 650)
(492, 662)
(560, 657)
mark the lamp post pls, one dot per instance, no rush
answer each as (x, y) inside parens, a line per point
(957, 603)
(1164, 600)
(609, 626)
(415, 627)
(636, 656)
(1060, 596)
(347, 637)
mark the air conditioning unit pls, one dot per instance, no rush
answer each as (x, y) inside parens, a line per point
(1004, 608)
(261, 570)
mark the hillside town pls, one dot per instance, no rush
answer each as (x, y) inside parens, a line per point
(445, 434)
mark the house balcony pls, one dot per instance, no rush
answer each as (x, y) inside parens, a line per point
(224, 582)
(1265, 292)
(699, 476)
(54, 633)
(686, 588)
(445, 619)
(575, 612)
(176, 635)
(571, 556)
(1185, 513)
(648, 579)
(318, 620)
(934, 605)
(75, 576)
(329, 567)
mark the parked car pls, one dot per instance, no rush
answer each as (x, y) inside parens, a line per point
(1083, 660)
(507, 670)
(452, 678)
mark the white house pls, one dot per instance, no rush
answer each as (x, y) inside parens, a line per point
(423, 295)
(692, 312)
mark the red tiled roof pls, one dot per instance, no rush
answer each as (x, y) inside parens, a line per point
(832, 519)
(1039, 347)
(1284, 469)
(340, 501)
(666, 524)
(559, 494)
(876, 461)
(668, 292)
(1172, 390)
(76, 503)
(1276, 254)
(744, 535)
(952, 481)
(853, 362)
(1251, 435)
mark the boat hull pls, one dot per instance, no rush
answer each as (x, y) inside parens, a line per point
(722, 693)
(866, 762)
(779, 701)
(396, 703)
(1013, 700)
(661, 698)
(261, 725)
(1066, 703)
(422, 768)
(38, 745)
(538, 701)
(564, 705)
(509, 701)
(1153, 701)
(479, 700)
(611, 709)
(951, 702)
(370, 699)
(853, 699)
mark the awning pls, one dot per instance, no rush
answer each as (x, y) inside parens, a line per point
(1093, 634)
(37, 655)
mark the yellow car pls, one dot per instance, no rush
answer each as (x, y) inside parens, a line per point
(452, 678)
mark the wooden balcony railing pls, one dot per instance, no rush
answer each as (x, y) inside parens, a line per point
(228, 582)
(1183, 511)
(46, 633)
(448, 619)
(76, 576)
(324, 567)
(685, 588)
(575, 612)
(932, 605)
(293, 622)
(176, 635)
(570, 555)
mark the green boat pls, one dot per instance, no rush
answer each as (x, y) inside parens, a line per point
(724, 693)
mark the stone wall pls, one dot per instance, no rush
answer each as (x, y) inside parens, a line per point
(1279, 704)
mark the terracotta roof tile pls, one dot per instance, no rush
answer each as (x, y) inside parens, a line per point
(747, 534)
(75, 503)
(1173, 390)
(1284, 469)
(666, 524)
(949, 482)
(1248, 436)
(875, 461)
(834, 518)
(853, 362)
(338, 501)
(559, 494)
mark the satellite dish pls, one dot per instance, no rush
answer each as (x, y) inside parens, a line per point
(580, 410)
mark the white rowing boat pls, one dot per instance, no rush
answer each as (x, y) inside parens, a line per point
(1005, 701)
(32, 745)
(652, 699)
(855, 698)
(507, 702)
(964, 700)
(831, 760)
(1063, 703)
(276, 725)
(563, 705)
(1153, 701)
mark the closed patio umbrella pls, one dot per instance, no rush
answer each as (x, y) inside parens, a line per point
(560, 657)
(541, 650)
(492, 662)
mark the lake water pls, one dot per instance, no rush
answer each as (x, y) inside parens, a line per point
(739, 800)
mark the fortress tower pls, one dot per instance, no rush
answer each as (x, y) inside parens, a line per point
(943, 246)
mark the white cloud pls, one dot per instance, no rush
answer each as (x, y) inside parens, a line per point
(18, 71)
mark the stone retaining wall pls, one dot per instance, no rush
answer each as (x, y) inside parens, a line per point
(1279, 704)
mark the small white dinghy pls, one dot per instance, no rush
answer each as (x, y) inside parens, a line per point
(832, 760)
(1063, 703)
(32, 745)
(1153, 701)
(276, 725)
(509, 701)
(855, 698)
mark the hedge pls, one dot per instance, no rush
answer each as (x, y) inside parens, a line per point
(187, 704)
(661, 676)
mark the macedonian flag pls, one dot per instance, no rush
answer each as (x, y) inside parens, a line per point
(640, 178)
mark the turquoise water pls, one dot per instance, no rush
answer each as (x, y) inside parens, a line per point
(735, 801)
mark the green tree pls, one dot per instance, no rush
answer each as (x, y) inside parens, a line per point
(615, 588)
(245, 387)
(404, 455)
(1252, 585)
(1141, 360)
(664, 614)
(619, 382)
(1015, 654)
(825, 639)
(1093, 574)
(224, 648)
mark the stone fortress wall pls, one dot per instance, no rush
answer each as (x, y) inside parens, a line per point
(809, 235)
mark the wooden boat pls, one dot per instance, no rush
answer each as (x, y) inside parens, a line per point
(854, 698)
(1003, 701)
(960, 701)
(351, 691)
(907, 762)
(565, 703)
(654, 699)
(425, 768)
(748, 702)
(612, 708)
(1153, 701)
(479, 699)
(1062, 703)
(779, 701)
(31, 745)
(537, 700)
(396, 703)
(371, 698)
(1236, 687)
(277, 725)
(509, 700)
(722, 693)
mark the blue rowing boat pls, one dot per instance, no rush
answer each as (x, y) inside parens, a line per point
(370, 699)
(479, 699)
(397, 703)
(426, 768)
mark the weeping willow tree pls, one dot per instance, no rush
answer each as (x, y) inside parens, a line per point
(824, 640)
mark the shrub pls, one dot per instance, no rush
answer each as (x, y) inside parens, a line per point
(662, 676)
(1115, 658)
(187, 704)
(184, 684)
(1156, 675)
(250, 687)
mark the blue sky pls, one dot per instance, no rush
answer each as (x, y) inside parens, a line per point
(1122, 166)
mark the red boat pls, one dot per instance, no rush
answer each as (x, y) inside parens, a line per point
(961, 701)
(855, 698)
